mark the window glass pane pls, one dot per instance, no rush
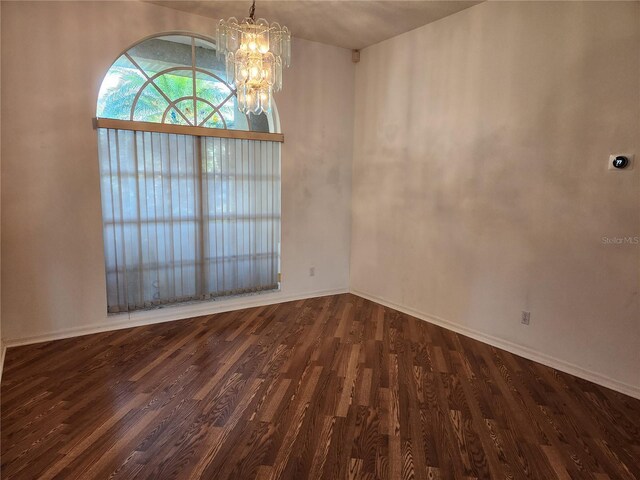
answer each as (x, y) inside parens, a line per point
(259, 123)
(209, 117)
(207, 59)
(186, 106)
(158, 54)
(177, 84)
(212, 89)
(150, 106)
(234, 117)
(118, 90)
(175, 118)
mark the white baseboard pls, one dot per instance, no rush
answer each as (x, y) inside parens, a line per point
(3, 351)
(148, 317)
(168, 314)
(526, 352)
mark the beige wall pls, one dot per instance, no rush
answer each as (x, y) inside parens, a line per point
(480, 186)
(54, 55)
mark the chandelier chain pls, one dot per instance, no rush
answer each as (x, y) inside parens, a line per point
(252, 11)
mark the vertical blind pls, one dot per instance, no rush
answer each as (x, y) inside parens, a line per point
(187, 218)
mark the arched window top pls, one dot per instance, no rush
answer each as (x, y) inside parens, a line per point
(177, 80)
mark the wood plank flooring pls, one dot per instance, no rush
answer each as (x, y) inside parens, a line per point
(329, 388)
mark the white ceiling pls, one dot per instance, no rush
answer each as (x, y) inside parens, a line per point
(344, 23)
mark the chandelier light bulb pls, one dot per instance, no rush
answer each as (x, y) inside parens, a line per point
(255, 53)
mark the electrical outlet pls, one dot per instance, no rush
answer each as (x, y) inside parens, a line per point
(312, 271)
(526, 318)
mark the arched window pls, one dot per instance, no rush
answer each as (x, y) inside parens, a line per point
(178, 80)
(190, 185)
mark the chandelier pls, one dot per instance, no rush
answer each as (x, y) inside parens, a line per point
(255, 52)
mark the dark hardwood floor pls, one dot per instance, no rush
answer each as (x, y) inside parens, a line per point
(328, 388)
